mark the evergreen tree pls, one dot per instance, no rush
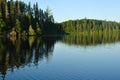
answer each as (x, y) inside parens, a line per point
(2, 24)
(17, 26)
(0, 6)
(38, 30)
(31, 30)
(18, 9)
(12, 20)
(23, 18)
(90, 25)
(6, 11)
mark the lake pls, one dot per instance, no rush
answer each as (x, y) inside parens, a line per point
(73, 57)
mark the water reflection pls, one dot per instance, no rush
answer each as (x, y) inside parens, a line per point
(91, 39)
(21, 52)
(16, 53)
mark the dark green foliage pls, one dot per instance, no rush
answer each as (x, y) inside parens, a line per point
(38, 29)
(17, 26)
(2, 24)
(89, 25)
(21, 17)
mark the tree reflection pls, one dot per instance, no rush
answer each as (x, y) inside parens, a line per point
(93, 38)
(16, 53)
(21, 52)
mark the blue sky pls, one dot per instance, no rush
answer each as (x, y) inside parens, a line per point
(77, 9)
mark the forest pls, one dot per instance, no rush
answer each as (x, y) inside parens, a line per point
(90, 26)
(21, 19)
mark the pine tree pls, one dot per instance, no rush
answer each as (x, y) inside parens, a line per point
(31, 30)
(29, 13)
(17, 26)
(2, 24)
(12, 20)
(36, 12)
(18, 8)
(19, 16)
(6, 11)
(38, 30)
(0, 6)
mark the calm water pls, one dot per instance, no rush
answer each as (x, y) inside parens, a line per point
(60, 58)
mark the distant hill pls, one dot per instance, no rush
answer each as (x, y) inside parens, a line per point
(83, 25)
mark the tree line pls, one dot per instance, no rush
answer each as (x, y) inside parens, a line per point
(19, 18)
(24, 19)
(89, 26)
